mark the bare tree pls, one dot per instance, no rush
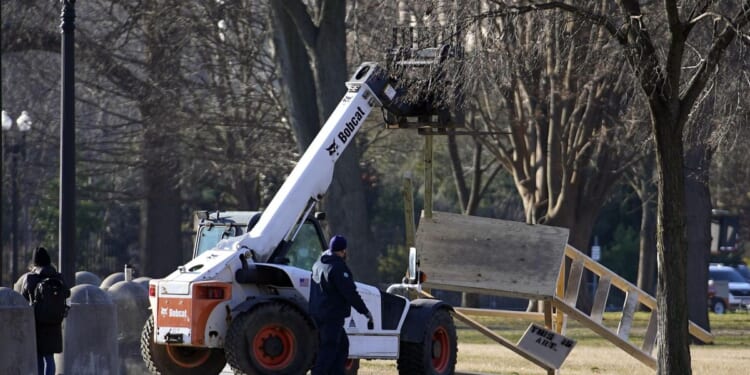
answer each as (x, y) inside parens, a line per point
(311, 50)
(550, 98)
(673, 72)
(730, 176)
(193, 113)
(641, 178)
(717, 111)
(242, 134)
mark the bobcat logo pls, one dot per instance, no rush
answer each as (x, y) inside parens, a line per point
(333, 148)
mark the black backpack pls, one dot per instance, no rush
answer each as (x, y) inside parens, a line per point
(49, 298)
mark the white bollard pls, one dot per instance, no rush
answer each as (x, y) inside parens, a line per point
(143, 282)
(112, 280)
(18, 340)
(86, 277)
(89, 334)
(131, 302)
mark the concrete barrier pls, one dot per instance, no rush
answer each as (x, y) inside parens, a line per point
(86, 277)
(131, 302)
(112, 280)
(18, 340)
(143, 281)
(89, 334)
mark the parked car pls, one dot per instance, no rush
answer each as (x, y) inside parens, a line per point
(738, 289)
(718, 296)
(744, 271)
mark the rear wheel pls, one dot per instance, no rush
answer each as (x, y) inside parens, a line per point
(273, 338)
(717, 305)
(436, 354)
(173, 359)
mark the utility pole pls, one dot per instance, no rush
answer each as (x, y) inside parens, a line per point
(67, 227)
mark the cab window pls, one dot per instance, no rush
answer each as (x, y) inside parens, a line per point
(209, 236)
(306, 248)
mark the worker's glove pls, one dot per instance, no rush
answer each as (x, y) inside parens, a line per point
(370, 323)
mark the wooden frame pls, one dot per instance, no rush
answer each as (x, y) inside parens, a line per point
(496, 257)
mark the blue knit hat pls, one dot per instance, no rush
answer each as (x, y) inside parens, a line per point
(338, 243)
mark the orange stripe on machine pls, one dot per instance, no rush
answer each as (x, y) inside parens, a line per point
(190, 315)
(175, 312)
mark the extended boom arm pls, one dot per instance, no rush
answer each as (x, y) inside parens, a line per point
(311, 177)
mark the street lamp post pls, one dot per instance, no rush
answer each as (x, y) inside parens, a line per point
(67, 229)
(6, 122)
(17, 148)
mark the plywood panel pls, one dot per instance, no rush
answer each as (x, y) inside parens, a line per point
(490, 256)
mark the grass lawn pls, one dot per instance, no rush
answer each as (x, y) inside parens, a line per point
(730, 353)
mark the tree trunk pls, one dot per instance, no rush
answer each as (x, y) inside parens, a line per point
(468, 198)
(161, 223)
(247, 191)
(647, 245)
(161, 251)
(697, 163)
(580, 236)
(299, 82)
(325, 56)
(671, 295)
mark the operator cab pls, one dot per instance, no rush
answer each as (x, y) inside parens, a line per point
(212, 227)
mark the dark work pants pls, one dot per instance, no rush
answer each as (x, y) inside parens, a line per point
(333, 349)
(45, 364)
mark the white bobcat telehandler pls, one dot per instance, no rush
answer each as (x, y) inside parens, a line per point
(244, 300)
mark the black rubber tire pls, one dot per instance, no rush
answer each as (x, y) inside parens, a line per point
(718, 307)
(352, 366)
(431, 357)
(291, 349)
(173, 359)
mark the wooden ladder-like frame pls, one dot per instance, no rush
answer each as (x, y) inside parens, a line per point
(567, 295)
(563, 304)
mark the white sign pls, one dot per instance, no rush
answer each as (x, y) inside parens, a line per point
(550, 347)
(596, 252)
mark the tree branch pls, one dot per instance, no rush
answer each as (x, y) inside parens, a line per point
(20, 39)
(596, 18)
(298, 13)
(708, 65)
(673, 17)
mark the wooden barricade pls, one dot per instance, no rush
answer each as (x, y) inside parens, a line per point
(489, 256)
(504, 258)
(565, 303)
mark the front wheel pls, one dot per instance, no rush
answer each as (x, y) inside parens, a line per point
(273, 338)
(436, 354)
(173, 359)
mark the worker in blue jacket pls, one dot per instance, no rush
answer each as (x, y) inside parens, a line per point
(332, 296)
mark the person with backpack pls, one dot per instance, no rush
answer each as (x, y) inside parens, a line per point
(46, 291)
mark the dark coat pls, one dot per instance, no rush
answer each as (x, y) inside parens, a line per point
(48, 337)
(333, 292)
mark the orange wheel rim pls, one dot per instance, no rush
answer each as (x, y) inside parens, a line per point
(187, 357)
(440, 349)
(274, 347)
